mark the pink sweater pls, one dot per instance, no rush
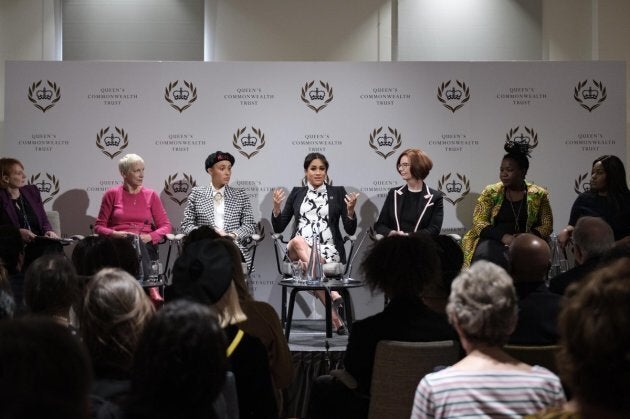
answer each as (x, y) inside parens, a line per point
(122, 211)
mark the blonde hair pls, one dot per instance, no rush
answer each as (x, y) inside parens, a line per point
(124, 164)
(228, 308)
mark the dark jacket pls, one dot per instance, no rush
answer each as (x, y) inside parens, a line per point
(538, 310)
(430, 211)
(30, 193)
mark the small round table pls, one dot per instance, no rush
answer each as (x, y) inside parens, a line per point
(342, 286)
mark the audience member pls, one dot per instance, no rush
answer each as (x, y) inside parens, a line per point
(114, 312)
(180, 364)
(592, 237)
(538, 308)
(7, 304)
(12, 255)
(400, 267)
(51, 289)
(482, 308)
(204, 273)
(594, 345)
(435, 295)
(44, 371)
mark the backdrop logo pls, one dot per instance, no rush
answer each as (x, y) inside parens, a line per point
(455, 97)
(582, 183)
(321, 95)
(179, 189)
(254, 142)
(454, 190)
(385, 143)
(590, 95)
(182, 97)
(112, 144)
(48, 187)
(44, 96)
(516, 137)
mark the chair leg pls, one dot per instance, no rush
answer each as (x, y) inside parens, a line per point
(347, 309)
(328, 304)
(287, 329)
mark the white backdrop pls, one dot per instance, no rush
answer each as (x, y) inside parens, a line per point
(65, 121)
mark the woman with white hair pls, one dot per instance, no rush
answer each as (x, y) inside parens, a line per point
(130, 209)
(487, 382)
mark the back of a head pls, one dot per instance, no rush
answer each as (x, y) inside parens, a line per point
(451, 259)
(44, 371)
(593, 236)
(594, 325)
(180, 363)
(92, 254)
(483, 303)
(50, 285)
(402, 265)
(11, 247)
(114, 312)
(530, 258)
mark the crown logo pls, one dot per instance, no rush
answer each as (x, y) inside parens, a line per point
(385, 140)
(590, 93)
(324, 94)
(181, 94)
(180, 187)
(317, 94)
(590, 96)
(44, 94)
(454, 186)
(385, 145)
(173, 187)
(453, 94)
(455, 190)
(530, 141)
(44, 186)
(453, 98)
(112, 140)
(106, 143)
(48, 185)
(172, 94)
(248, 140)
(40, 94)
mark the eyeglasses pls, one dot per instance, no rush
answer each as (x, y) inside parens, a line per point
(403, 165)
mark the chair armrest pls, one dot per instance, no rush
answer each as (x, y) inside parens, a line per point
(345, 378)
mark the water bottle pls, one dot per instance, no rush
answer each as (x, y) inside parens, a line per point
(314, 271)
(558, 261)
(136, 245)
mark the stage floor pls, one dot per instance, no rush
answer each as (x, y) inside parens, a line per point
(310, 335)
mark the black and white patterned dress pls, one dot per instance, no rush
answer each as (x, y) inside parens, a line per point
(314, 220)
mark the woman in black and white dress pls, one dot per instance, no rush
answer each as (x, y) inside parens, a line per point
(317, 209)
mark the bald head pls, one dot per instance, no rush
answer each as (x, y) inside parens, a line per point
(530, 258)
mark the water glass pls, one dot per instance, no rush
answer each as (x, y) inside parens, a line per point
(297, 271)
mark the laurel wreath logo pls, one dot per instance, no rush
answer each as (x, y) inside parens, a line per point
(55, 183)
(259, 134)
(602, 94)
(33, 90)
(121, 132)
(307, 100)
(465, 183)
(509, 137)
(168, 90)
(580, 187)
(396, 146)
(168, 187)
(440, 95)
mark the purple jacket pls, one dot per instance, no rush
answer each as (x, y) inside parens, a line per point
(30, 193)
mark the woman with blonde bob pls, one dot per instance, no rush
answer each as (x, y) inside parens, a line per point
(488, 382)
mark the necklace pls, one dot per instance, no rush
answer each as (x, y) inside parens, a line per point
(517, 214)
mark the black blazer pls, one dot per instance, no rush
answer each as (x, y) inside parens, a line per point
(30, 194)
(430, 211)
(336, 209)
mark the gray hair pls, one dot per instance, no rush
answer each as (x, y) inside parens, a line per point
(483, 304)
(124, 164)
(593, 236)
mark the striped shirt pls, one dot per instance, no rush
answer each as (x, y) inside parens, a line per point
(453, 393)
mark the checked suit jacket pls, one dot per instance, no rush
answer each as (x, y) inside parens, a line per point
(238, 218)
